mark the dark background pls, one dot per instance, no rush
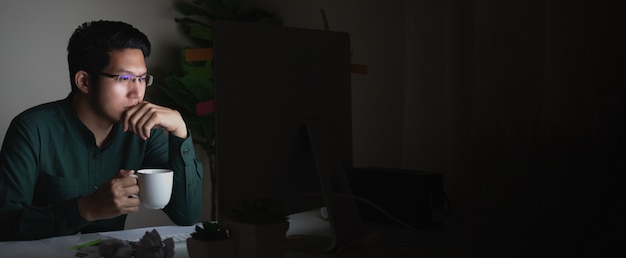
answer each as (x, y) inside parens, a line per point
(521, 105)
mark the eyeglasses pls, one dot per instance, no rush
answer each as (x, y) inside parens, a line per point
(124, 79)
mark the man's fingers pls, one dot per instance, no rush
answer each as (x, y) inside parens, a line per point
(131, 190)
(127, 181)
(132, 115)
(139, 119)
(124, 173)
(126, 116)
(146, 122)
(131, 202)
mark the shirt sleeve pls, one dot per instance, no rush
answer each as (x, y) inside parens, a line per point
(19, 217)
(185, 205)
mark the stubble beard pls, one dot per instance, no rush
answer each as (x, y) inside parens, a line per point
(99, 108)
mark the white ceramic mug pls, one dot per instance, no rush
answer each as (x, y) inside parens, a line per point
(155, 187)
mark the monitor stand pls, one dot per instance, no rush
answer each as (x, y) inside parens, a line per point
(343, 215)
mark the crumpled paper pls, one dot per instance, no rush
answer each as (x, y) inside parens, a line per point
(115, 248)
(149, 246)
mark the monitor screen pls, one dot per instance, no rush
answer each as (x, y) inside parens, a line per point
(283, 121)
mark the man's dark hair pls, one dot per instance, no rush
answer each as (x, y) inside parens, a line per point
(91, 42)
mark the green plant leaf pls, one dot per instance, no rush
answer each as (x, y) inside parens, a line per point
(210, 3)
(205, 71)
(191, 9)
(201, 32)
(189, 21)
(198, 87)
(183, 98)
(195, 84)
(324, 19)
(204, 124)
(210, 231)
(219, 9)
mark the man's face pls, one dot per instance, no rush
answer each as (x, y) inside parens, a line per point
(111, 98)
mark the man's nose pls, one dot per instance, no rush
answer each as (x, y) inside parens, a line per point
(136, 88)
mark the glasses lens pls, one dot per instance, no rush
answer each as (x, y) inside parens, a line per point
(149, 79)
(124, 79)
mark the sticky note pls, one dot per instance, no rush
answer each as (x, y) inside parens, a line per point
(205, 107)
(198, 54)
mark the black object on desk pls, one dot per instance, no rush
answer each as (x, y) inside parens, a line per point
(414, 197)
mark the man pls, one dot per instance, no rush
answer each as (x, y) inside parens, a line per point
(65, 166)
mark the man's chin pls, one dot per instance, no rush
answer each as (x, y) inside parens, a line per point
(116, 119)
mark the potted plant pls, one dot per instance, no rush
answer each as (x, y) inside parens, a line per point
(260, 229)
(211, 240)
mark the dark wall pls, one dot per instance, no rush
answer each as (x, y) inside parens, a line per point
(534, 126)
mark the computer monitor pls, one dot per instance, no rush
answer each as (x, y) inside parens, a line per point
(284, 123)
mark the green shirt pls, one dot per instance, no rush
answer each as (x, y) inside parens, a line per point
(49, 159)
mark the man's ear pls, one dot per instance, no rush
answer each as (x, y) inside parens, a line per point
(81, 78)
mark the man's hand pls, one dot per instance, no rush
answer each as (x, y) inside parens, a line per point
(112, 198)
(145, 116)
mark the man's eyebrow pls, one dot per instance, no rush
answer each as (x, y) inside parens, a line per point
(122, 71)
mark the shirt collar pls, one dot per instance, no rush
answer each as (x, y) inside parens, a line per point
(84, 131)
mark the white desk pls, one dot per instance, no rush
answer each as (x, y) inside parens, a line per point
(59, 247)
(380, 242)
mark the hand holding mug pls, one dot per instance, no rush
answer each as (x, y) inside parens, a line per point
(111, 199)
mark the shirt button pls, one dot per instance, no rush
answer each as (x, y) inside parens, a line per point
(95, 155)
(185, 151)
(95, 187)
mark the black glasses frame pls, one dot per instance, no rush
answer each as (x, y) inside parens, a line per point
(148, 79)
